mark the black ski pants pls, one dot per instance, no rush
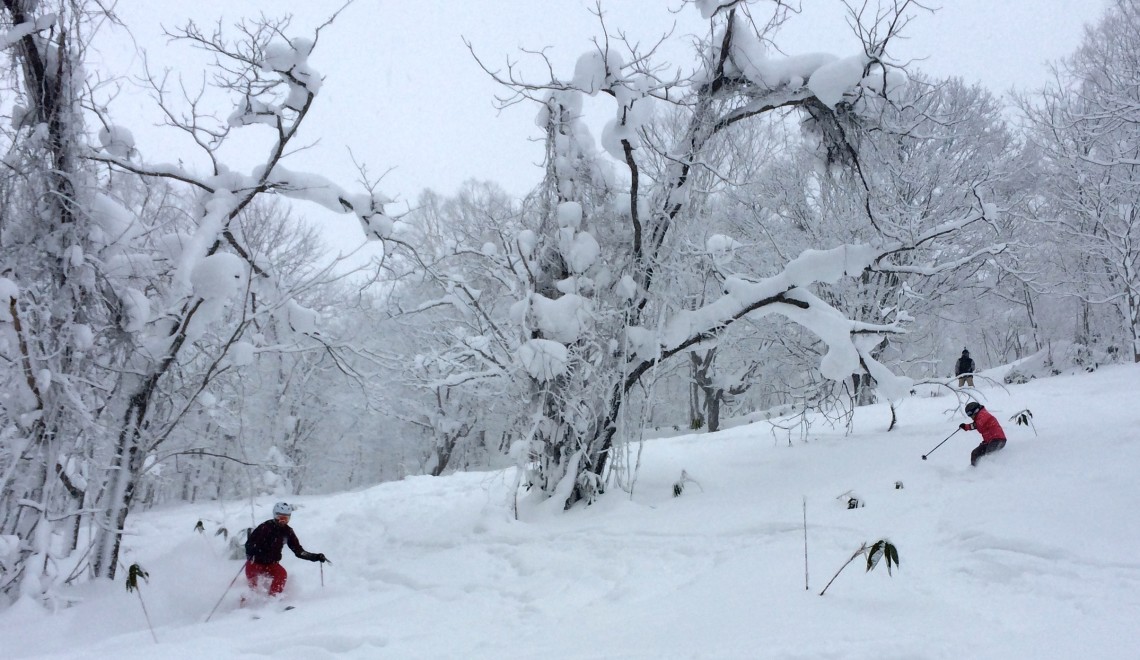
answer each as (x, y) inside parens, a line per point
(986, 448)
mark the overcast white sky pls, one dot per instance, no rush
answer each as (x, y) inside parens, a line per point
(402, 90)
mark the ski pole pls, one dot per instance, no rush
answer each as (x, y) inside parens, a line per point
(940, 443)
(322, 575)
(225, 592)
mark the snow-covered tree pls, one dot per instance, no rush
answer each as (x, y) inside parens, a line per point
(126, 302)
(62, 312)
(599, 315)
(263, 417)
(938, 150)
(450, 305)
(270, 78)
(1087, 128)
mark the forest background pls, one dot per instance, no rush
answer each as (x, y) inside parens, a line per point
(724, 226)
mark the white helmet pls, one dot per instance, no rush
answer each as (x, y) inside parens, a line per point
(282, 509)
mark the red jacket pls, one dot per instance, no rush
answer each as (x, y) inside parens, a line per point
(987, 425)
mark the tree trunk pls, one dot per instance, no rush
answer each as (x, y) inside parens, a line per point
(713, 399)
(1031, 313)
(125, 470)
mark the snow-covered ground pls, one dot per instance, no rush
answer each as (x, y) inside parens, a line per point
(1034, 554)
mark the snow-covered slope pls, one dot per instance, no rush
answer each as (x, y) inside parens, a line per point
(1034, 554)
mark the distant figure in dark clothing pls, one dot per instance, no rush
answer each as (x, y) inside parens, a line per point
(263, 550)
(993, 437)
(964, 369)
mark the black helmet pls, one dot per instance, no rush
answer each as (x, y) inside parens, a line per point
(965, 351)
(972, 408)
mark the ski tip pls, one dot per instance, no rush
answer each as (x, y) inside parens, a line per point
(256, 617)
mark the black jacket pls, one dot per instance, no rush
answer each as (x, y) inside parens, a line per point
(965, 366)
(266, 541)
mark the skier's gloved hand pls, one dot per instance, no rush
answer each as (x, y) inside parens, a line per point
(318, 556)
(964, 426)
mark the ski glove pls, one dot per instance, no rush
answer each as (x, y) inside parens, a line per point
(964, 426)
(318, 556)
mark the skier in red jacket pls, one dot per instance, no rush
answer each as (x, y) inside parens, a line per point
(993, 437)
(263, 550)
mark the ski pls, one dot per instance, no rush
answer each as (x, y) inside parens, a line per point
(257, 617)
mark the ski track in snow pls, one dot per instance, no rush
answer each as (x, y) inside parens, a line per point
(1030, 555)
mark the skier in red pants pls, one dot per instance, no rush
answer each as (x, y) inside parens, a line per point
(993, 437)
(263, 550)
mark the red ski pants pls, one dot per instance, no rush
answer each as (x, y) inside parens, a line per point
(257, 574)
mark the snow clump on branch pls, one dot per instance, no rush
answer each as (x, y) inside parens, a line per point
(242, 354)
(749, 58)
(710, 7)
(369, 209)
(831, 81)
(217, 280)
(218, 276)
(569, 215)
(543, 359)
(117, 141)
(292, 61)
(828, 78)
(563, 319)
(595, 71)
(115, 225)
(136, 309)
(721, 249)
(18, 32)
(788, 295)
(299, 319)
